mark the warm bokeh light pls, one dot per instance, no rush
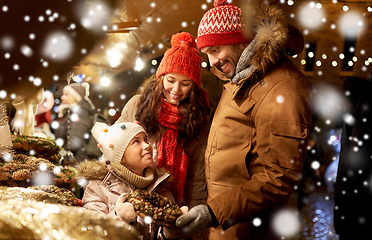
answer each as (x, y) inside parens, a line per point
(105, 81)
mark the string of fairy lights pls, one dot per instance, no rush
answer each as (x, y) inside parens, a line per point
(313, 16)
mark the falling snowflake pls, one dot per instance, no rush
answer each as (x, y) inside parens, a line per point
(3, 94)
(7, 157)
(257, 222)
(74, 117)
(315, 165)
(7, 43)
(310, 16)
(286, 223)
(349, 119)
(280, 99)
(26, 50)
(56, 170)
(147, 220)
(43, 178)
(58, 46)
(93, 17)
(82, 182)
(350, 24)
(54, 124)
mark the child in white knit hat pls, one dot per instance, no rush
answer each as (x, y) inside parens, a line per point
(127, 166)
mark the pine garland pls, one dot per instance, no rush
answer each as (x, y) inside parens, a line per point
(63, 193)
(42, 147)
(163, 211)
(23, 169)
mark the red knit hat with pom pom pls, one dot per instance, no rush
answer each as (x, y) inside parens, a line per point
(221, 25)
(182, 57)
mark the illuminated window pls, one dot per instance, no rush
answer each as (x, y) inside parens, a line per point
(310, 53)
(349, 51)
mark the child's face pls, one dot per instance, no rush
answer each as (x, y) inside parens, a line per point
(138, 154)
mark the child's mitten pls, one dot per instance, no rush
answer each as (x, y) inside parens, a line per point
(125, 210)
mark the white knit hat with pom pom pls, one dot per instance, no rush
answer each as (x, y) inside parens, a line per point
(115, 139)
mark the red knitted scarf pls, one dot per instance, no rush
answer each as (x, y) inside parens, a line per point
(170, 153)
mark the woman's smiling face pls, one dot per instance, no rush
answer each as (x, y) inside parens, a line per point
(176, 87)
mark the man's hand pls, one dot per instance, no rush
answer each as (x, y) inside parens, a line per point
(192, 223)
(166, 233)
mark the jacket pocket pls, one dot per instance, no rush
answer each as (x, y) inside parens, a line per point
(288, 144)
(235, 121)
(289, 129)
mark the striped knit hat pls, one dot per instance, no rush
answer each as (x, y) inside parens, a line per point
(182, 57)
(221, 25)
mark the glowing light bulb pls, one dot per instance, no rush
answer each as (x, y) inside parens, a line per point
(139, 65)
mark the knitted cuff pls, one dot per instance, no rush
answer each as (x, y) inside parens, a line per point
(215, 222)
(208, 216)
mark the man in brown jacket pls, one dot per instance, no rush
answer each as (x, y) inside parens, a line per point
(258, 139)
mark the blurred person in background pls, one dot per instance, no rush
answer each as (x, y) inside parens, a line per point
(74, 128)
(43, 116)
(353, 191)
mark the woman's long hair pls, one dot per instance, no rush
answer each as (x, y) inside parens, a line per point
(195, 110)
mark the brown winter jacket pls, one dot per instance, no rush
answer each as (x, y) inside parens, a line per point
(195, 187)
(258, 139)
(105, 187)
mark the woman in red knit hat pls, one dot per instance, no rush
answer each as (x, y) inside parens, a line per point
(174, 110)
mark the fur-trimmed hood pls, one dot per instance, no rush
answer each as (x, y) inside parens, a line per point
(92, 170)
(273, 38)
(96, 170)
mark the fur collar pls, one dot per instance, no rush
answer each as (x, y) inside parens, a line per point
(92, 170)
(272, 35)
